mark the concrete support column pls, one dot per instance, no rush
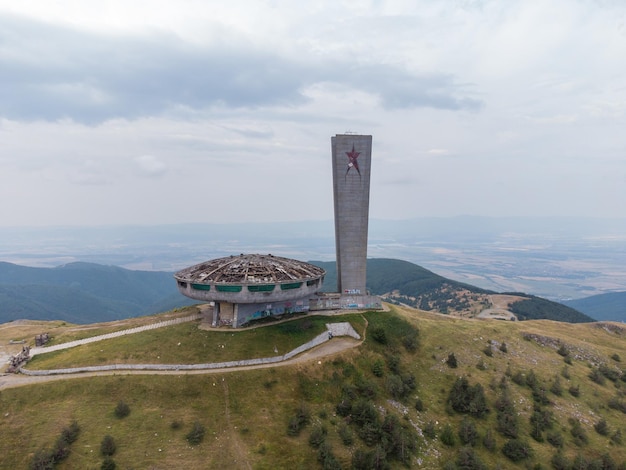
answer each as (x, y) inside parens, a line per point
(216, 314)
(236, 315)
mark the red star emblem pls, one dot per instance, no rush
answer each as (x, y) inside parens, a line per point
(352, 163)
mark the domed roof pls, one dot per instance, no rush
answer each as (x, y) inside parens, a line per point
(252, 268)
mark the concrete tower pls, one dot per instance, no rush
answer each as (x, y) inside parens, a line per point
(352, 157)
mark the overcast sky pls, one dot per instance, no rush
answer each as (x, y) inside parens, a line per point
(158, 112)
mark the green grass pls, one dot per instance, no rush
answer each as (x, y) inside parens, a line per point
(246, 413)
(187, 344)
(63, 332)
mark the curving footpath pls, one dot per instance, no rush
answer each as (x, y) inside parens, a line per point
(332, 330)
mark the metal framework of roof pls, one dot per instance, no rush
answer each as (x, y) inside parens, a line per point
(251, 268)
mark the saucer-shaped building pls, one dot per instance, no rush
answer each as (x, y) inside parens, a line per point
(249, 287)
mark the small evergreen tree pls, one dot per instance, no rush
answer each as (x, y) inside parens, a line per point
(556, 387)
(465, 398)
(468, 434)
(489, 440)
(468, 460)
(447, 435)
(70, 433)
(42, 460)
(108, 446)
(555, 439)
(122, 409)
(429, 430)
(345, 433)
(108, 464)
(318, 435)
(578, 433)
(451, 361)
(602, 427)
(516, 450)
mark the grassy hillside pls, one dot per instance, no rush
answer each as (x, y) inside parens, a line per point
(429, 390)
(402, 282)
(535, 308)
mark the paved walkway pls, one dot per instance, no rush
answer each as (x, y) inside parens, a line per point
(332, 330)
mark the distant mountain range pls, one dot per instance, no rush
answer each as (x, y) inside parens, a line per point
(610, 306)
(84, 293)
(90, 293)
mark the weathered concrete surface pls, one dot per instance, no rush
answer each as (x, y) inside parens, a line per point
(351, 158)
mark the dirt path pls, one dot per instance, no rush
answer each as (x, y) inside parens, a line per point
(237, 448)
(329, 348)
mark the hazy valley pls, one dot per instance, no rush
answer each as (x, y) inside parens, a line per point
(555, 258)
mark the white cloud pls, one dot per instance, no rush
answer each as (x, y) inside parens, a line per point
(111, 110)
(149, 165)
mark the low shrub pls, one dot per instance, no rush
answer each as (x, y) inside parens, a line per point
(108, 464)
(556, 387)
(430, 430)
(379, 335)
(411, 342)
(468, 399)
(602, 427)
(345, 433)
(378, 368)
(451, 361)
(45, 459)
(597, 377)
(299, 420)
(489, 440)
(468, 434)
(578, 433)
(555, 439)
(70, 433)
(318, 436)
(468, 460)
(196, 435)
(176, 424)
(447, 435)
(419, 405)
(516, 450)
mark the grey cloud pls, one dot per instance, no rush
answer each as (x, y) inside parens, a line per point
(399, 89)
(51, 73)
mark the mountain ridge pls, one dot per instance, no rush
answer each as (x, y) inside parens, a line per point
(82, 292)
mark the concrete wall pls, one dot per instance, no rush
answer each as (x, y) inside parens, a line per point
(248, 312)
(345, 302)
(351, 188)
(245, 296)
